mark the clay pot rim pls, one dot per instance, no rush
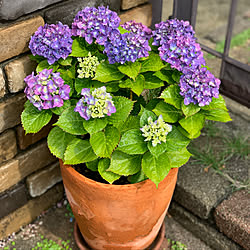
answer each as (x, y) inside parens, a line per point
(105, 185)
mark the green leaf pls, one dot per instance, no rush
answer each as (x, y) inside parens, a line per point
(78, 50)
(112, 86)
(165, 75)
(58, 140)
(45, 65)
(81, 83)
(171, 95)
(124, 164)
(79, 151)
(186, 134)
(175, 140)
(152, 103)
(178, 158)
(155, 169)
(138, 85)
(216, 103)
(217, 115)
(158, 149)
(109, 176)
(193, 124)
(95, 125)
(153, 63)
(189, 110)
(123, 108)
(59, 110)
(132, 122)
(140, 176)
(151, 81)
(104, 143)
(92, 165)
(71, 122)
(130, 69)
(144, 115)
(122, 30)
(132, 142)
(36, 58)
(33, 120)
(168, 112)
(107, 72)
(65, 62)
(126, 84)
(176, 76)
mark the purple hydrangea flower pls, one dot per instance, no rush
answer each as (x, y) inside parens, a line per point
(198, 86)
(52, 42)
(96, 103)
(95, 23)
(128, 46)
(177, 44)
(46, 90)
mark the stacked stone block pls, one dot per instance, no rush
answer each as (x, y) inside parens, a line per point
(30, 179)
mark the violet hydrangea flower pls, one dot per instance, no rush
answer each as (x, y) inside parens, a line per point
(46, 90)
(95, 103)
(95, 23)
(177, 44)
(128, 46)
(52, 42)
(198, 86)
(156, 131)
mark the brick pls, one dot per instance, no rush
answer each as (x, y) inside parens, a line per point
(14, 39)
(30, 211)
(10, 111)
(141, 14)
(17, 70)
(232, 218)
(201, 229)
(24, 164)
(8, 147)
(2, 84)
(26, 140)
(10, 10)
(66, 12)
(127, 4)
(44, 179)
(12, 200)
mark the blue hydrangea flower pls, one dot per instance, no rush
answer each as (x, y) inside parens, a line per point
(130, 46)
(198, 86)
(95, 103)
(52, 42)
(95, 23)
(177, 44)
(156, 131)
(46, 90)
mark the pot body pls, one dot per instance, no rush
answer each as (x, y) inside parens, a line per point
(118, 217)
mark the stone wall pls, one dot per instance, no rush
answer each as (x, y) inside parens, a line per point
(30, 180)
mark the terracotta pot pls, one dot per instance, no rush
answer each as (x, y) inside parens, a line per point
(118, 217)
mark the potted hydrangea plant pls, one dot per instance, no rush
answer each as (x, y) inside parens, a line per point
(128, 100)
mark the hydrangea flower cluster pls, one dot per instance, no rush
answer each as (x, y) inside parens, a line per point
(156, 131)
(52, 42)
(198, 86)
(87, 66)
(95, 23)
(130, 46)
(177, 44)
(46, 90)
(96, 103)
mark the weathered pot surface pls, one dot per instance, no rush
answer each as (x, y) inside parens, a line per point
(118, 217)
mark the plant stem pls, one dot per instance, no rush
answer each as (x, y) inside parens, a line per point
(131, 95)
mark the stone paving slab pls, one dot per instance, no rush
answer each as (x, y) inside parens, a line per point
(232, 218)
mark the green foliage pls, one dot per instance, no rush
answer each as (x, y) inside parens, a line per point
(124, 164)
(140, 176)
(144, 115)
(92, 165)
(104, 142)
(34, 120)
(151, 81)
(171, 95)
(78, 50)
(79, 151)
(189, 110)
(95, 125)
(165, 75)
(152, 63)
(47, 244)
(71, 122)
(130, 69)
(109, 176)
(58, 140)
(132, 142)
(45, 65)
